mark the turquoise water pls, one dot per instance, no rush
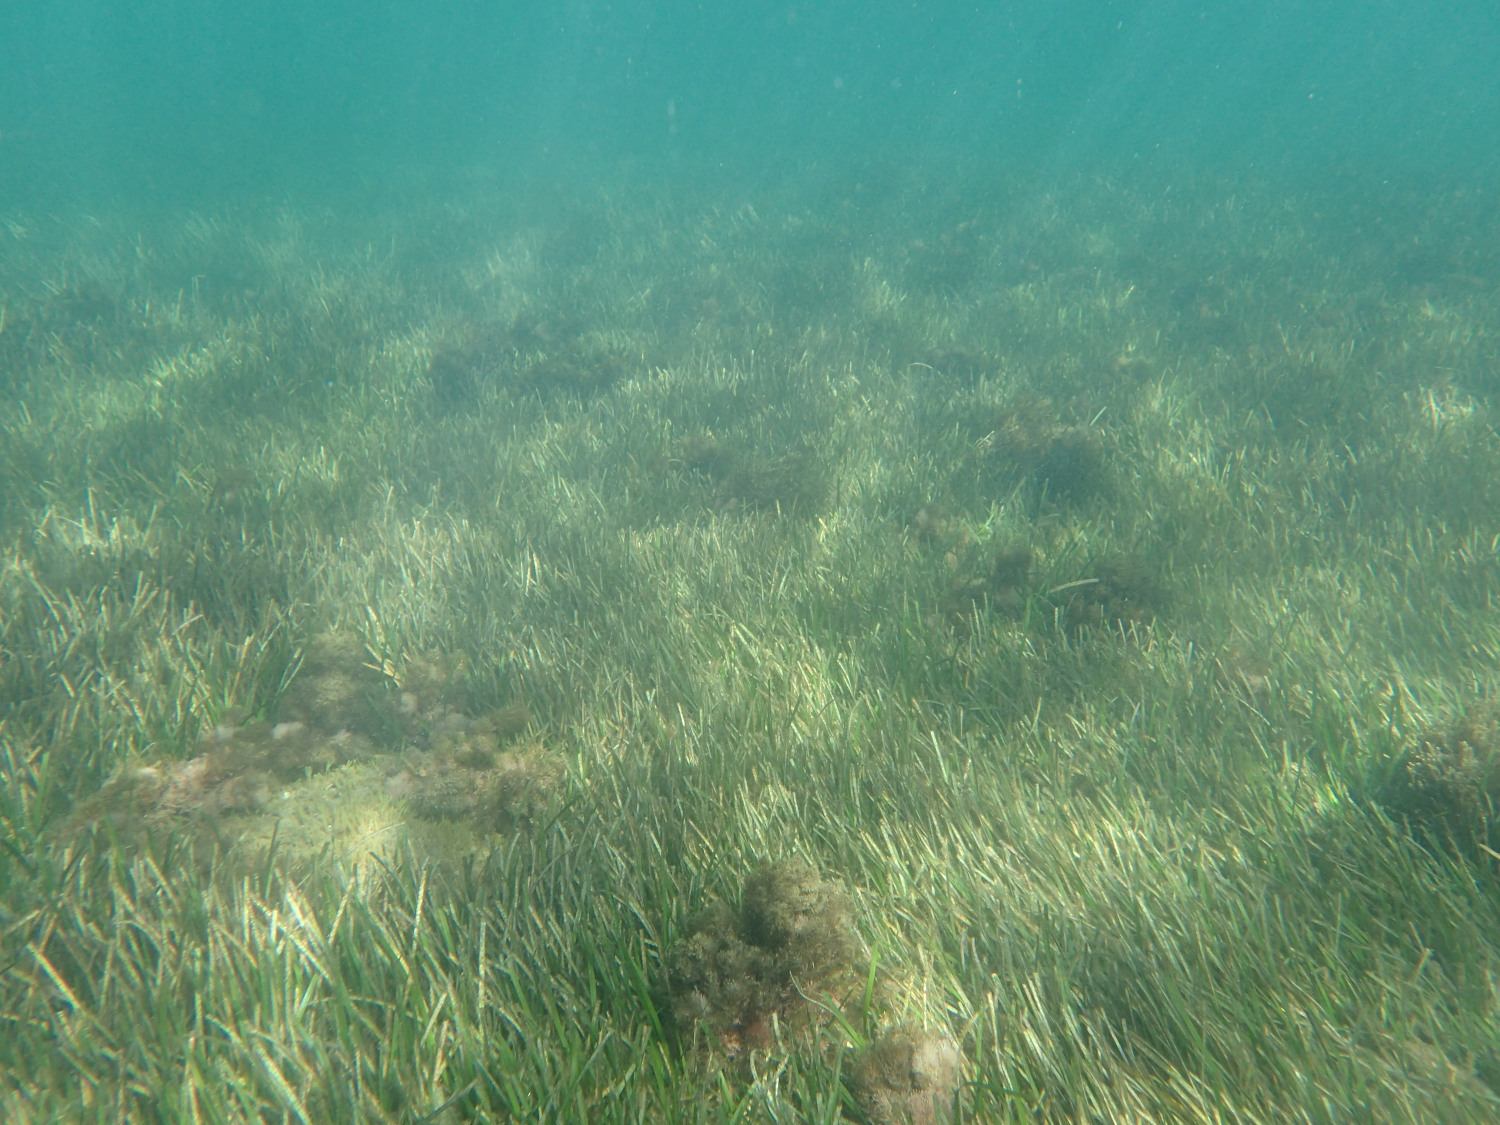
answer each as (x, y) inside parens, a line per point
(105, 101)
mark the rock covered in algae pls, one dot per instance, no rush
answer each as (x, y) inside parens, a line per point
(340, 709)
(236, 770)
(792, 942)
(470, 779)
(1448, 781)
(908, 1078)
(337, 688)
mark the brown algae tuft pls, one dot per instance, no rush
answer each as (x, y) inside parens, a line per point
(786, 959)
(1028, 441)
(1004, 588)
(1121, 592)
(793, 482)
(1447, 783)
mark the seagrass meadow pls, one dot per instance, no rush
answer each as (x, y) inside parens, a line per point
(931, 651)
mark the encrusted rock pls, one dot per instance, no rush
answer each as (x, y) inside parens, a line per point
(908, 1078)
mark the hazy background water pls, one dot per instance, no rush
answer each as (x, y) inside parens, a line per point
(204, 101)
